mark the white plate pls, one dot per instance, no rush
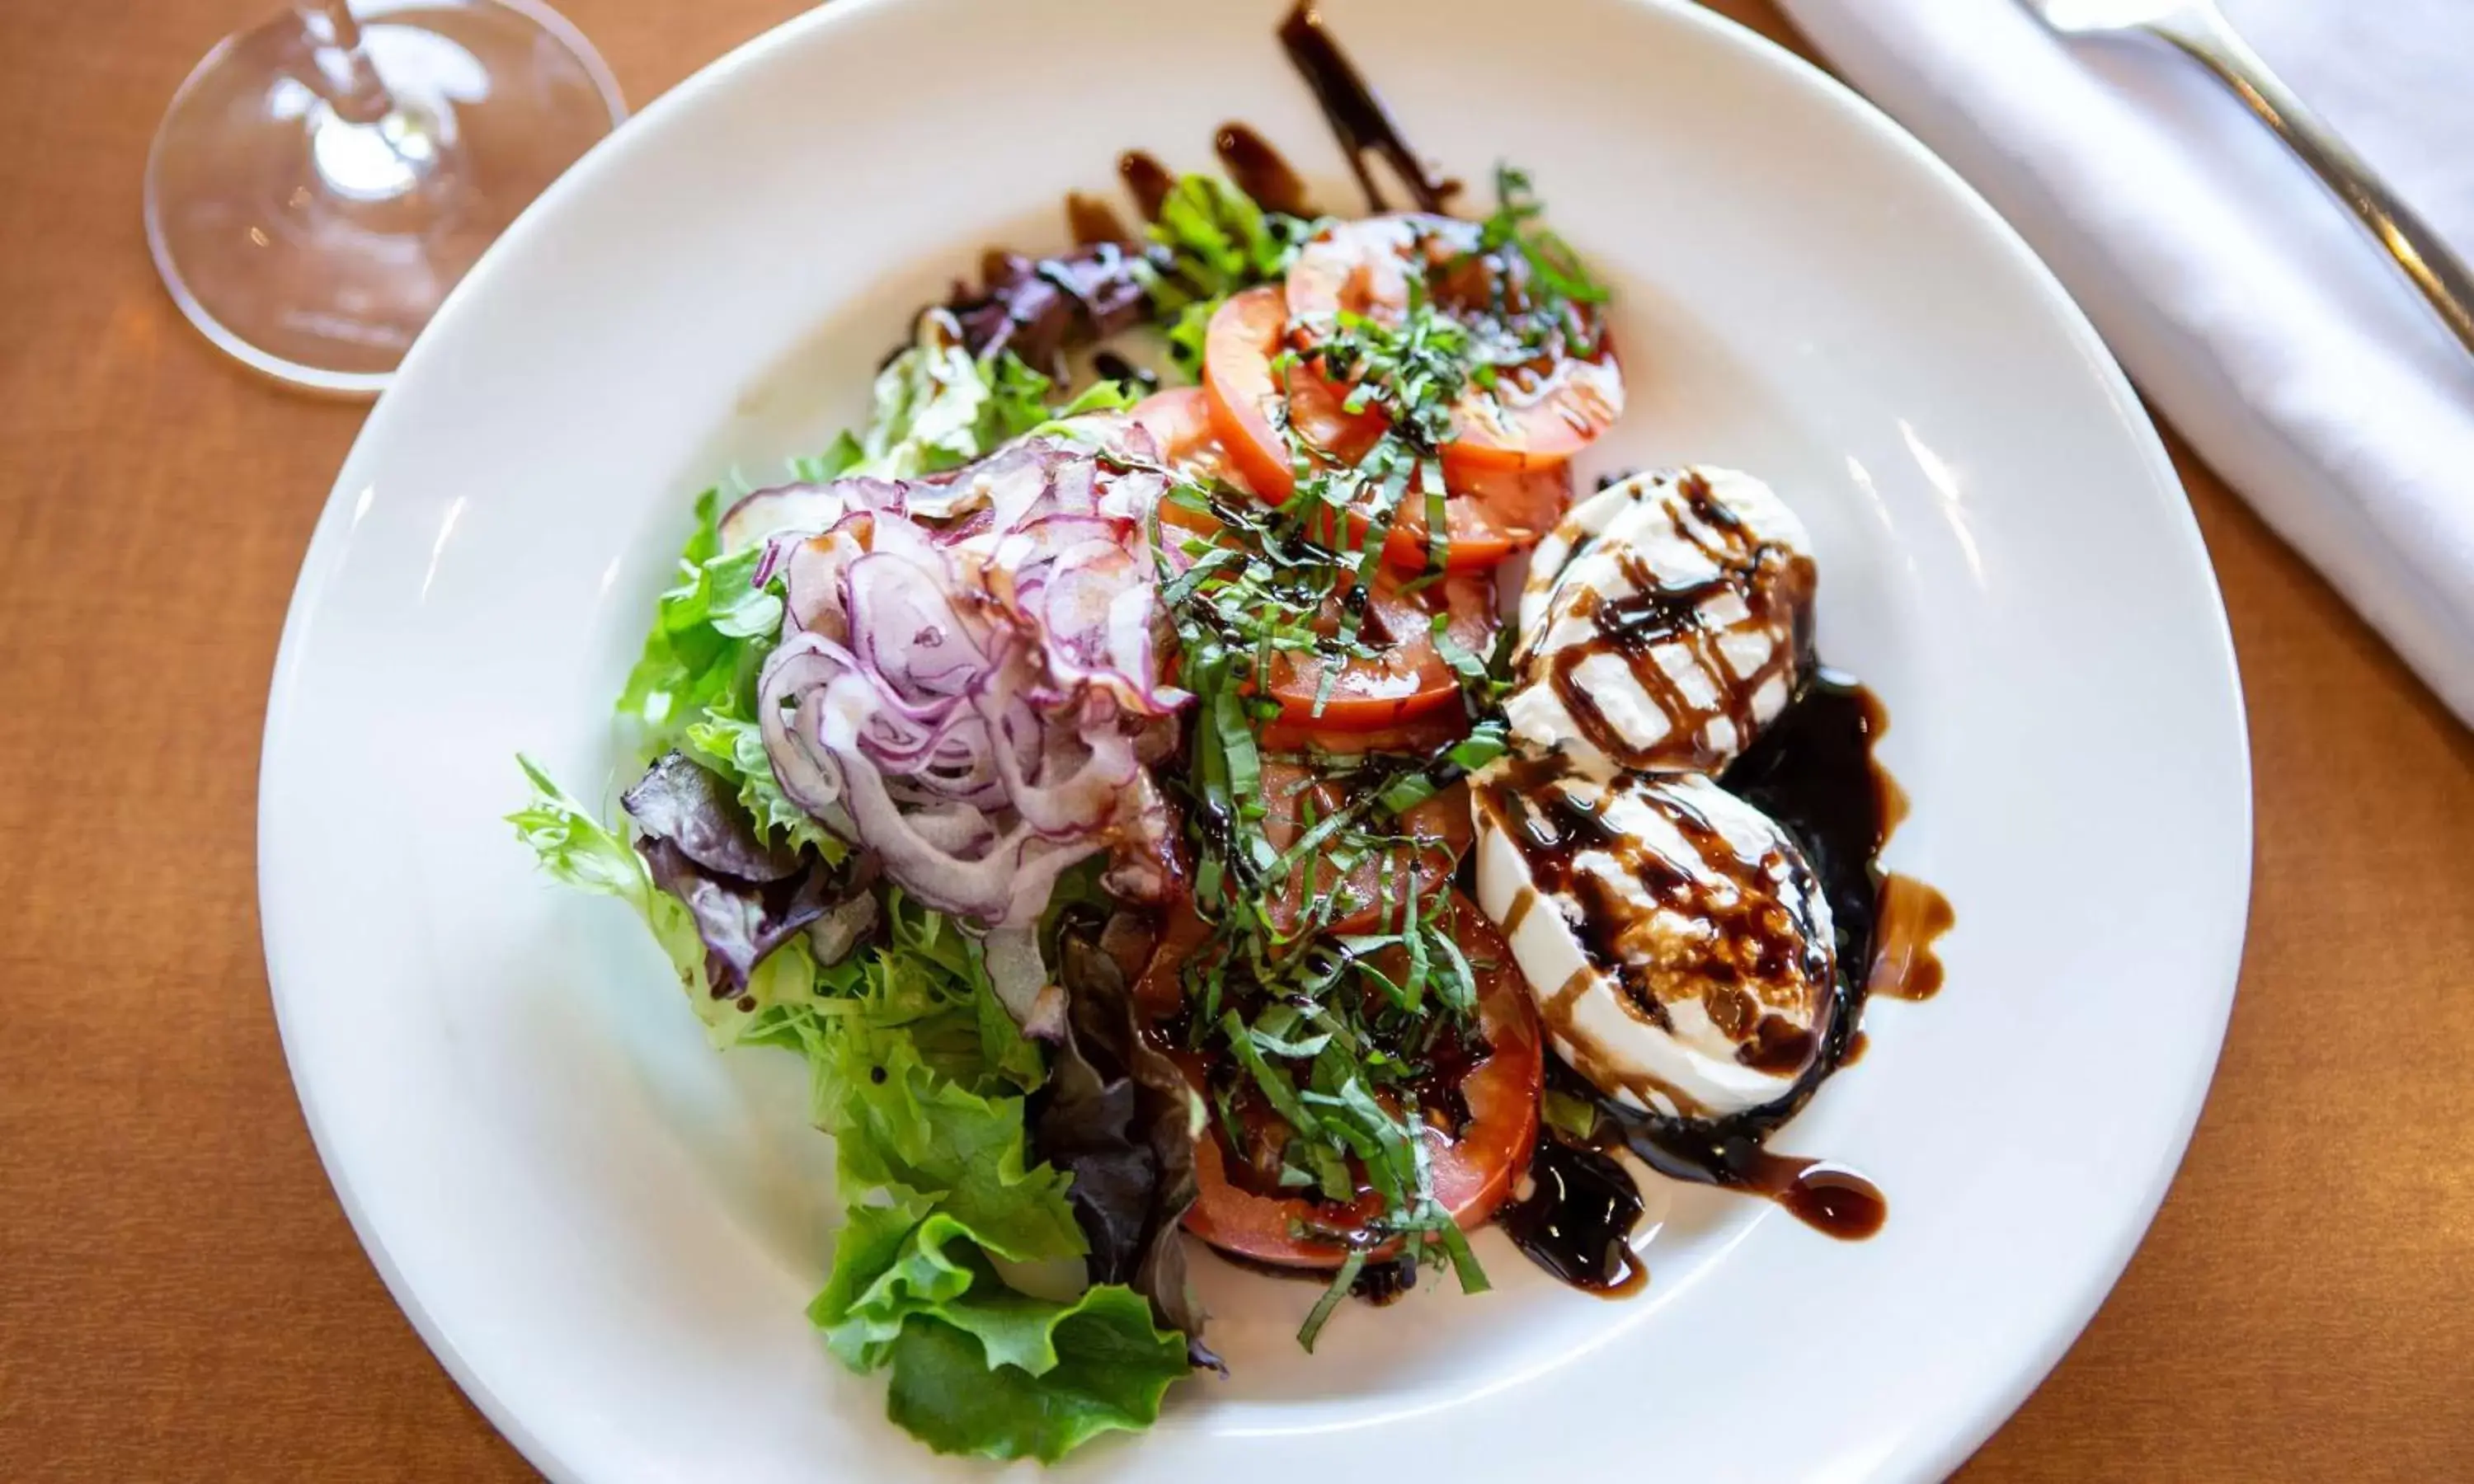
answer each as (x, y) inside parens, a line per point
(608, 1232)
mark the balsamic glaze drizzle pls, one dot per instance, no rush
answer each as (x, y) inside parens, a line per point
(1259, 171)
(1146, 180)
(1649, 629)
(1812, 770)
(1357, 117)
(1093, 221)
(1577, 1220)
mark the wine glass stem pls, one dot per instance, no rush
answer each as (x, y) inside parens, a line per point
(350, 85)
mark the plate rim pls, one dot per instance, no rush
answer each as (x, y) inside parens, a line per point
(1934, 1456)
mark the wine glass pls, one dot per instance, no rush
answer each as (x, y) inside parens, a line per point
(320, 182)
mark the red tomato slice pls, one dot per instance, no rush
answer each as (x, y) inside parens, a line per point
(1427, 734)
(1410, 678)
(1180, 421)
(1496, 512)
(1535, 426)
(1473, 1169)
(1237, 377)
(1377, 883)
(1535, 419)
(1501, 494)
(1363, 267)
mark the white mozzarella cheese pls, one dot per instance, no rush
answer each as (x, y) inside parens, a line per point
(1664, 622)
(1674, 937)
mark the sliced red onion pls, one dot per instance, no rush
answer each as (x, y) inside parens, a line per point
(972, 699)
(766, 513)
(1019, 976)
(1134, 494)
(800, 665)
(1082, 585)
(831, 936)
(802, 509)
(811, 570)
(1075, 785)
(905, 623)
(1007, 481)
(1143, 863)
(1075, 488)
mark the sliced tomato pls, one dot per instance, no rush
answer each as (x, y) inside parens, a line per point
(1363, 267)
(1373, 887)
(1501, 494)
(1179, 422)
(1410, 677)
(1533, 426)
(1473, 1168)
(1496, 512)
(1246, 396)
(1425, 735)
(1535, 418)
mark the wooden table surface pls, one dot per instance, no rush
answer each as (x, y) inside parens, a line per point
(180, 1297)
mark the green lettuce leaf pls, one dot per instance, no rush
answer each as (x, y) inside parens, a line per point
(1002, 1375)
(918, 1075)
(710, 633)
(925, 985)
(902, 1130)
(939, 407)
(1217, 242)
(576, 849)
(734, 747)
(816, 469)
(890, 1261)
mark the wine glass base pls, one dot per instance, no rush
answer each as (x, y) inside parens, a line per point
(312, 247)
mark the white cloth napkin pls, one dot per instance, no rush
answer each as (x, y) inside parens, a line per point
(2242, 298)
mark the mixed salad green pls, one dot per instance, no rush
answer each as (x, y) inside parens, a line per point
(919, 1073)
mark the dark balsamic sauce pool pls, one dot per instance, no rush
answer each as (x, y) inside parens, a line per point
(1813, 771)
(1577, 1221)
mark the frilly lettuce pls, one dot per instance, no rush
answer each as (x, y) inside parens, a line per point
(1210, 241)
(917, 1071)
(919, 1075)
(576, 849)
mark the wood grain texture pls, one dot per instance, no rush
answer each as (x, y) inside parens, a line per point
(180, 1297)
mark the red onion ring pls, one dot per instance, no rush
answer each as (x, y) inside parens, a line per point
(972, 699)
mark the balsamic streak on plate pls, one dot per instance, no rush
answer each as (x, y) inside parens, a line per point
(1259, 171)
(1146, 180)
(1812, 770)
(1358, 119)
(1577, 1221)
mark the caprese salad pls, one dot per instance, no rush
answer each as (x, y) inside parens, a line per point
(1249, 804)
